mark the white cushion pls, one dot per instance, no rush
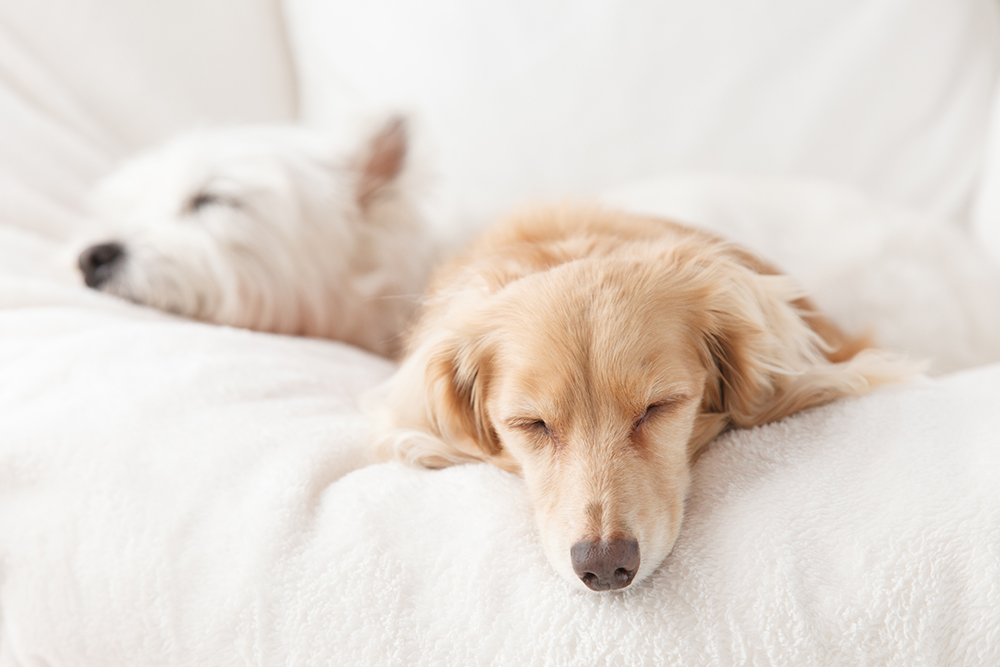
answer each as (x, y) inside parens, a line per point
(542, 98)
(174, 493)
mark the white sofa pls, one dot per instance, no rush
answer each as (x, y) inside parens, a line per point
(173, 493)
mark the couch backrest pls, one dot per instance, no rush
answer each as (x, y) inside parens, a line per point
(83, 82)
(985, 218)
(540, 98)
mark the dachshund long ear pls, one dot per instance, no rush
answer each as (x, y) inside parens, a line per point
(434, 411)
(768, 359)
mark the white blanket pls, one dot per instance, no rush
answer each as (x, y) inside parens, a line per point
(173, 493)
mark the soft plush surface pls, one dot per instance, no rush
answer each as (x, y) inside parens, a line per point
(176, 493)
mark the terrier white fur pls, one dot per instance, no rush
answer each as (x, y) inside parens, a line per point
(272, 228)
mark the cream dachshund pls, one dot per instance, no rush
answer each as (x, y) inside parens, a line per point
(596, 354)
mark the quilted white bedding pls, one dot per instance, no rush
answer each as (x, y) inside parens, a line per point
(176, 493)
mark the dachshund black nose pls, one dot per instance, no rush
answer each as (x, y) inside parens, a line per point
(98, 262)
(606, 566)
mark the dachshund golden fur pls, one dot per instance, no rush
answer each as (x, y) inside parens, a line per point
(596, 354)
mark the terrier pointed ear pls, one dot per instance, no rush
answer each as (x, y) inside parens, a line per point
(382, 160)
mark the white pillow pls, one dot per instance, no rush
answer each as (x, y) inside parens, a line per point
(541, 98)
(84, 82)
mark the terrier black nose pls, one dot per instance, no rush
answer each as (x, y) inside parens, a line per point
(98, 262)
(606, 566)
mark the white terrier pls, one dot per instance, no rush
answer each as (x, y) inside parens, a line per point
(268, 228)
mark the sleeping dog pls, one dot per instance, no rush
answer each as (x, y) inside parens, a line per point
(273, 228)
(596, 354)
